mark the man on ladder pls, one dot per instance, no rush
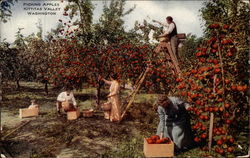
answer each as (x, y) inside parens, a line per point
(169, 37)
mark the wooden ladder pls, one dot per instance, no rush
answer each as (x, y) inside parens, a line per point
(138, 84)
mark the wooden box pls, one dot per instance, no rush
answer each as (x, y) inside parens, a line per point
(158, 150)
(73, 115)
(28, 112)
(181, 36)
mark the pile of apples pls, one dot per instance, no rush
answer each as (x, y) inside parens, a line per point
(155, 139)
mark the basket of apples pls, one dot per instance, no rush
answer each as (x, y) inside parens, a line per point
(156, 147)
(88, 113)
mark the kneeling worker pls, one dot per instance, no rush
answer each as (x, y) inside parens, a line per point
(33, 104)
(66, 100)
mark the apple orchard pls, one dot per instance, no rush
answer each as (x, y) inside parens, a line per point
(213, 78)
(210, 85)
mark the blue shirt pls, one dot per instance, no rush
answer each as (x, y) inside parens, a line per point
(174, 114)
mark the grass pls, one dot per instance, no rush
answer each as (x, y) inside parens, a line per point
(146, 98)
(88, 104)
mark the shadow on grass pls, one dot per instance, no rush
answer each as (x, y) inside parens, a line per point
(14, 148)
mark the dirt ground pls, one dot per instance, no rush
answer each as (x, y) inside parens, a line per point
(55, 136)
(49, 135)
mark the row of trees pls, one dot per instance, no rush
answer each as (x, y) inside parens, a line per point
(5, 9)
(78, 50)
(35, 52)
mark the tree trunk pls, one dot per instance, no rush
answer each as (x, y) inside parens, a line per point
(210, 137)
(17, 84)
(46, 88)
(97, 94)
(1, 97)
(1, 88)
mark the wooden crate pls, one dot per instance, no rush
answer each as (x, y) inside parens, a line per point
(181, 36)
(158, 150)
(28, 112)
(73, 115)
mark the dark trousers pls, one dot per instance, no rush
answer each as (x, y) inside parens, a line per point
(174, 46)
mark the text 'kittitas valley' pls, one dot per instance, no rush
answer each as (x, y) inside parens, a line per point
(46, 8)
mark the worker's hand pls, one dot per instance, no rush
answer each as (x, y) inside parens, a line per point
(187, 106)
(161, 135)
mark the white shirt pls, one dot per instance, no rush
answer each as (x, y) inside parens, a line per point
(33, 106)
(64, 97)
(168, 28)
(177, 101)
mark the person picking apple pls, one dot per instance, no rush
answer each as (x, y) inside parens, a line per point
(174, 122)
(114, 114)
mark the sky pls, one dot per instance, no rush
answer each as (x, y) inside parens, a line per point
(185, 14)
